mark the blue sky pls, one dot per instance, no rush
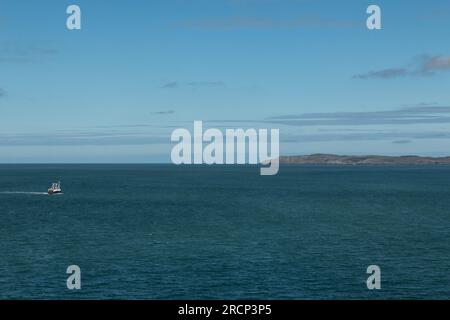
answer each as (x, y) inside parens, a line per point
(115, 90)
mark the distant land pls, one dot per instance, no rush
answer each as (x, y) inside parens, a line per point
(333, 159)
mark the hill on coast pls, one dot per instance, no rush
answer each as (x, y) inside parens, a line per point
(363, 160)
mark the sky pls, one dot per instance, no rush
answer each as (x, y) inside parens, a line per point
(116, 89)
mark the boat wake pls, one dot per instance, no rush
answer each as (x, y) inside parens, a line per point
(24, 192)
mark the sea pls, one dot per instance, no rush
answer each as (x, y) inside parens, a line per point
(225, 232)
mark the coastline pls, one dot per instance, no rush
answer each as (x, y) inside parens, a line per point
(368, 160)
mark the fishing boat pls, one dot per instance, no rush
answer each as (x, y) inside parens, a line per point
(55, 188)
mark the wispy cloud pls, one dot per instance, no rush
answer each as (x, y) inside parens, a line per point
(383, 74)
(435, 64)
(176, 84)
(170, 85)
(398, 126)
(82, 138)
(206, 83)
(413, 115)
(164, 112)
(401, 141)
(391, 126)
(2, 92)
(405, 137)
(15, 52)
(421, 104)
(424, 65)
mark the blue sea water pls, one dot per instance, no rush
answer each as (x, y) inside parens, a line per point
(167, 232)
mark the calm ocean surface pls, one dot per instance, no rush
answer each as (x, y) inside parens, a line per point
(166, 232)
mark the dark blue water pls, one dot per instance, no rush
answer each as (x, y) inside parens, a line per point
(166, 232)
